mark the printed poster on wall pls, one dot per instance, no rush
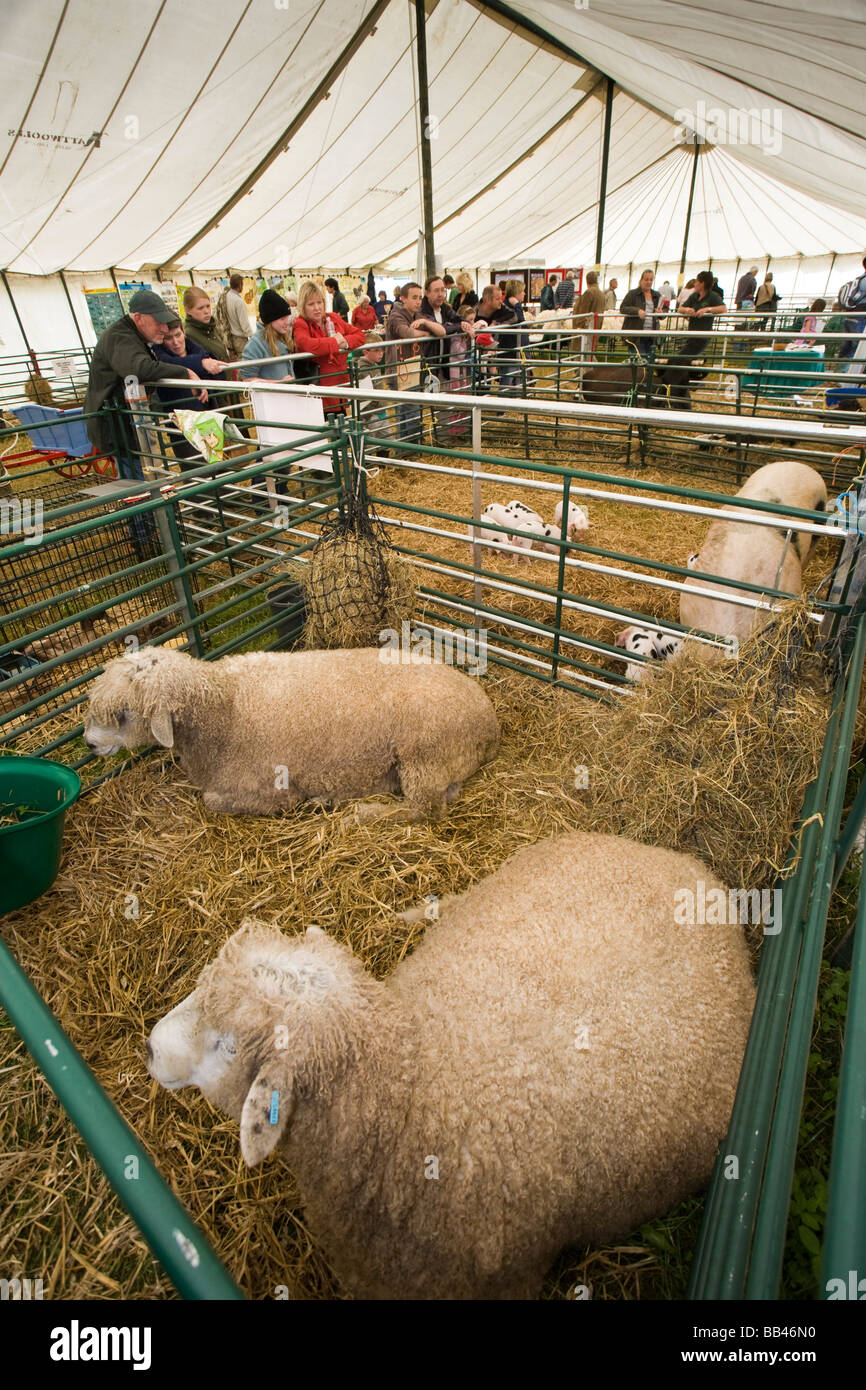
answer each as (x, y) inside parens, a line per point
(104, 307)
(128, 288)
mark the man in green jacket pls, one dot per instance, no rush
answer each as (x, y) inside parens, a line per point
(124, 351)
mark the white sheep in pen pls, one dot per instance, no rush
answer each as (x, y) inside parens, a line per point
(263, 732)
(761, 555)
(553, 1065)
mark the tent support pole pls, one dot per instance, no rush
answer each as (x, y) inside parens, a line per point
(116, 288)
(17, 315)
(689, 213)
(426, 136)
(829, 274)
(605, 157)
(72, 310)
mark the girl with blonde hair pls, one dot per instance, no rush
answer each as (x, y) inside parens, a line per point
(272, 338)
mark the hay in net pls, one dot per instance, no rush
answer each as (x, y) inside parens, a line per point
(354, 584)
(39, 390)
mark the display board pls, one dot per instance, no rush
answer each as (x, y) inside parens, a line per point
(533, 280)
(561, 271)
(128, 288)
(105, 308)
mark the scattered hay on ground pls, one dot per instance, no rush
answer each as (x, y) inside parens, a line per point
(713, 756)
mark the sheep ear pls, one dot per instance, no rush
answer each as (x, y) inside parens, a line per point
(266, 1115)
(162, 728)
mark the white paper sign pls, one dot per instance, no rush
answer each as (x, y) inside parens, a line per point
(300, 414)
(63, 366)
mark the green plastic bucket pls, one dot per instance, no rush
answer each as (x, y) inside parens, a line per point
(30, 849)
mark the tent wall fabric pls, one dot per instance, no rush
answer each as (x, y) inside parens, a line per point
(203, 134)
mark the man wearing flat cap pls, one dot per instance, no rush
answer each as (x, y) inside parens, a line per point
(125, 350)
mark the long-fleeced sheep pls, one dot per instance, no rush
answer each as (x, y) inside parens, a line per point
(760, 555)
(263, 732)
(555, 1064)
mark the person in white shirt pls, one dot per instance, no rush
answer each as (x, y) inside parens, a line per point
(236, 317)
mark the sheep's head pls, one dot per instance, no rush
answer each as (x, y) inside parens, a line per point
(133, 702)
(270, 1021)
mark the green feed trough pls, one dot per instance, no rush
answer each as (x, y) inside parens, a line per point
(35, 795)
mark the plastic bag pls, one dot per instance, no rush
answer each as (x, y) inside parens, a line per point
(208, 431)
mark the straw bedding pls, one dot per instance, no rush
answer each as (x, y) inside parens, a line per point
(110, 975)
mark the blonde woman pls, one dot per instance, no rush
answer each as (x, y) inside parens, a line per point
(328, 337)
(272, 338)
(463, 295)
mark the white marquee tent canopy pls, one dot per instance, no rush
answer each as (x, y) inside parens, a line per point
(179, 135)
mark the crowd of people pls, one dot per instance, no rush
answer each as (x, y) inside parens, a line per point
(429, 337)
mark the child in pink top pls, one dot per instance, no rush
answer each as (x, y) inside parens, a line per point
(460, 371)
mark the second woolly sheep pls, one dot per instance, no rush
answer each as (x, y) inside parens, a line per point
(263, 732)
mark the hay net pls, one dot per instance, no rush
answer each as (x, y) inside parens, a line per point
(350, 579)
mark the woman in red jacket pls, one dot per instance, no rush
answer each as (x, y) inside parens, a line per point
(327, 337)
(364, 316)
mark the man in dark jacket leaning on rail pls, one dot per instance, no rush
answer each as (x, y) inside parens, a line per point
(125, 350)
(444, 323)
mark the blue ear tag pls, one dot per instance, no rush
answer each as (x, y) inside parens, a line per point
(275, 1107)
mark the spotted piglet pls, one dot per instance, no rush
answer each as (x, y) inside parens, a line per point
(578, 520)
(649, 642)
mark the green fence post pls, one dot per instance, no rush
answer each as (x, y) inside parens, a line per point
(175, 1240)
(768, 1243)
(559, 338)
(169, 536)
(477, 586)
(560, 576)
(845, 1228)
